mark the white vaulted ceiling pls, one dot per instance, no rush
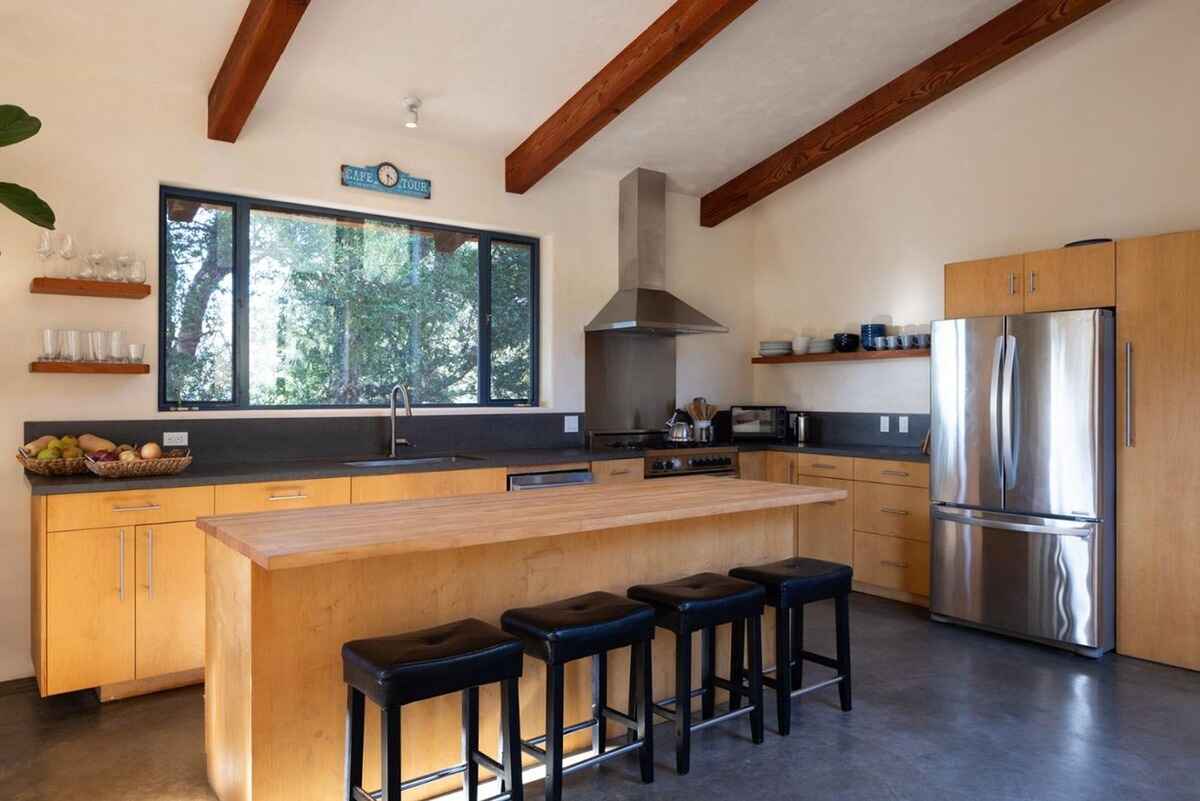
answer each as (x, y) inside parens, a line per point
(490, 71)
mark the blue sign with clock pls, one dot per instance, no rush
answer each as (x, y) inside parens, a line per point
(386, 177)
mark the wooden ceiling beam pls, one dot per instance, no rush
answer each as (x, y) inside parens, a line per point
(266, 28)
(681, 30)
(1021, 26)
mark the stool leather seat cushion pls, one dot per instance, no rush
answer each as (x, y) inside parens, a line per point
(424, 664)
(795, 581)
(705, 599)
(581, 626)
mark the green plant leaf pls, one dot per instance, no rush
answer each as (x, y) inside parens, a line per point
(26, 203)
(16, 125)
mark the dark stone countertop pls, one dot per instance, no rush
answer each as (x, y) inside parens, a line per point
(901, 454)
(294, 470)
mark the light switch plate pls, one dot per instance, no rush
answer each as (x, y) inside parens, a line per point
(570, 424)
(884, 424)
(175, 439)
(902, 424)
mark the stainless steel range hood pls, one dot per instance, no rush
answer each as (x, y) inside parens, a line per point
(642, 304)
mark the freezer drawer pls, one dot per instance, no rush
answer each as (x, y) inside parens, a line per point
(1030, 576)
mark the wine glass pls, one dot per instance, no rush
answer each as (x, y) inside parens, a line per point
(45, 251)
(66, 252)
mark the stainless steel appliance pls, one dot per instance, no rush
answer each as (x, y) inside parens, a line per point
(802, 426)
(664, 459)
(1022, 476)
(759, 422)
(552, 479)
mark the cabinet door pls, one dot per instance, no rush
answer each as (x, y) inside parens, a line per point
(1158, 375)
(90, 608)
(781, 467)
(1071, 278)
(169, 608)
(443, 484)
(752, 466)
(825, 530)
(984, 288)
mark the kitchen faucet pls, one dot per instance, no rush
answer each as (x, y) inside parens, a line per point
(403, 390)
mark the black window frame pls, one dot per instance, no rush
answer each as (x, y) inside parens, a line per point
(242, 205)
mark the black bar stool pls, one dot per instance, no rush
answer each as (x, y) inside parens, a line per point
(790, 584)
(575, 628)
(398, 670)
(701, 603)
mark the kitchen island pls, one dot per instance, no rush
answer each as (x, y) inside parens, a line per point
(284, 590)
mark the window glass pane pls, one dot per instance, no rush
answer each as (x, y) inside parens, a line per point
(198, 349)
(512, 321)
(342, 309)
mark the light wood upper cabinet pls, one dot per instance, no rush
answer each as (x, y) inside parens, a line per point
(444, 484)
(279, 496)
(1071, 278)
(610, 470)
(169, 612)
(1158, 550)
(985, 287)
(89, 608)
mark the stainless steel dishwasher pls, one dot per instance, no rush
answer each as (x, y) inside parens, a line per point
(550, 480)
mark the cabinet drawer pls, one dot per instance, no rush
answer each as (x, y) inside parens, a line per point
(825, 530)
(439, 484)
(280, 496)
(127, 508)
(881, 471)
(893, 510)
(891, 563)
(811, 464)
(619, 470)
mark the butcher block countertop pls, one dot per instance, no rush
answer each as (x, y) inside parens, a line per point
(280, 540)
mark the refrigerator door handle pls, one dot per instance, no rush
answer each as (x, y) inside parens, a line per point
(1081, 531)
(994, 410)
(1009, 414)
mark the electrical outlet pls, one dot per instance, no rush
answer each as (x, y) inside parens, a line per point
(175, 439)
(902, 424)
(570, 424)
(884, 424)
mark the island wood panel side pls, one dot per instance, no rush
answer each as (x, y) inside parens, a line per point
(227, 667)
(302, 616)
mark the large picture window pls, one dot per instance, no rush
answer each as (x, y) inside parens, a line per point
(272, 305)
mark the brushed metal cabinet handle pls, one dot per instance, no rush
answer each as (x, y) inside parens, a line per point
(890, 563)
(1012, 283)
(891, 511)
(1128, 394)
(1033, 282)
(296, 497)
(150, 507)
(898, 473)
(121, 565)
(825, 466)
(620, 472)
(150, 563)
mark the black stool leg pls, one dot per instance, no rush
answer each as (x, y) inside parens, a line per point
(599, 701)
(737, 661)
(708, 668)
(554, 732)
(510, 740)
(783, 670)
(756, 676)
(842, 607)
(354, 740)
(683, 701)
(470, 742)
(797, 646)
(389, 757)
(641, 656)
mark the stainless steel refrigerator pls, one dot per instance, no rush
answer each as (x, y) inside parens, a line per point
(1022, 476)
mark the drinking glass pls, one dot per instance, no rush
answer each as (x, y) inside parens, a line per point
(98, 345)
(49, 344)
(68, 345)
(94, 266)
(122, 266)
(116, 346)
(114, 270)
(137, 353)
(137, 272)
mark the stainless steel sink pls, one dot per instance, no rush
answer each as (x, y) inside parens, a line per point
(415, 460)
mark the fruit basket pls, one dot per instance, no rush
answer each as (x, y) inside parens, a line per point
(140, 468)
(52, 467)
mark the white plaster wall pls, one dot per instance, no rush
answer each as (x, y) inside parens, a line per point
(1089, 133)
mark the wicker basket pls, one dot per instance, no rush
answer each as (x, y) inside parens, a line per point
(52, 467)
(141, 468)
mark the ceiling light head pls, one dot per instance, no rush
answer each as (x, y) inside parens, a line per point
(412, 104)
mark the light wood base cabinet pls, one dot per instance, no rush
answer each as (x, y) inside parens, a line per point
(826, 530)
(443, 484)
(169, 607)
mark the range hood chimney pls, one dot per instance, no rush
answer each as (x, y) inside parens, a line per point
(642, 304)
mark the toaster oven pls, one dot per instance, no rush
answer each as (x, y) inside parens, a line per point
(762, 423)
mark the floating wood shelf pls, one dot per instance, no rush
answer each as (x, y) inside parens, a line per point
(120, 368)
(855, 356)
(90, 289)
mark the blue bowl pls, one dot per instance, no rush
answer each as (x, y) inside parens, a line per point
(869, 332)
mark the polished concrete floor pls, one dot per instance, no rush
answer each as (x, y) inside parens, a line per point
(939, 713)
